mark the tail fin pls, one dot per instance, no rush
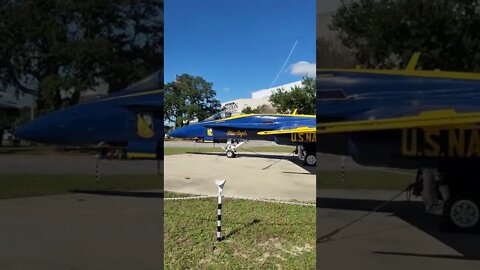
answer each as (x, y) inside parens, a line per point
(413, 61)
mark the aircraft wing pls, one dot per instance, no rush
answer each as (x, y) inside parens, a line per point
(288, 131)
(424, 119)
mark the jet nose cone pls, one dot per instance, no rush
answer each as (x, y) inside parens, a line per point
(24, 132)
(177, 133)
(41, 130)
(190, 131)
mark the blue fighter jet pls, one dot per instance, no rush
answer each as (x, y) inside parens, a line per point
(130, 119)
(408, 119)
(284, 129)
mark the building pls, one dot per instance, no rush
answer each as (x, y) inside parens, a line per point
(9, 101)
(258, 98)
(236, 106)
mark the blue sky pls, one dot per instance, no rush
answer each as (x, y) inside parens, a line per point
(239, 45)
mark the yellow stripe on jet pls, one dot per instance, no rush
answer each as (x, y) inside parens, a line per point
(424, 119)
(413, 73)
(288, 131)
(408, 71)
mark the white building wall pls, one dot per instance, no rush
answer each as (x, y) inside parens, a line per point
(265, 93)
(259, 98)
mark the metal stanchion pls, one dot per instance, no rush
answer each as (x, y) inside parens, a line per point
(220, 184)
(97, 172)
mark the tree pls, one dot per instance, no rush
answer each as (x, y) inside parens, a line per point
(188, 98)
(249, 110)
(333, 54)
(51, 46)
(265, 108)
(300, 98)
(384, 34)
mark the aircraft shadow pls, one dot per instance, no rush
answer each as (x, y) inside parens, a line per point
(293, 159)
(121, 193)
(412, 213)
(239, 228)
(436, 256)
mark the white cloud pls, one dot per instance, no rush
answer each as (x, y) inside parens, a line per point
(303, 68)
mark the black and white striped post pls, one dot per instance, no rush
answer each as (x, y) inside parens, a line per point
(220, 184)
(97, 173)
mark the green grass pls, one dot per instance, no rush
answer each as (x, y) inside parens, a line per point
(17, 186)
(258, 235)
(363, 179)
(26, 150)
(169, 194)
(40, 150)
(183, 150)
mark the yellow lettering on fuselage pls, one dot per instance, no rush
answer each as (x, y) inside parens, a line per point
(239, 133)
(434, 147)
(446, 142)
(456, 144)
(474, 144)
(303, 137)
(409, 142)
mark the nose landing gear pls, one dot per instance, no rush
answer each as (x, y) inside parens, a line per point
(231, 148)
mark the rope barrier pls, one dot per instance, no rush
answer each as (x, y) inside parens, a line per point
(241, 198)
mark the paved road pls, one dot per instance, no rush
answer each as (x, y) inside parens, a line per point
(400, 236)
(82, 232)
(284, 180)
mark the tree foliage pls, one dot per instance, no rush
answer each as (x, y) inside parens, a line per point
(51, 46)
(188, 98)
(300, 98)
(333, 54)
(384, 34)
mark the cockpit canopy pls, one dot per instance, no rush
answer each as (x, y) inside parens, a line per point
(219, 115)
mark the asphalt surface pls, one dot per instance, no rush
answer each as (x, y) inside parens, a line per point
(82, 232)
(102, 230)
(252, 175)
(398, 236)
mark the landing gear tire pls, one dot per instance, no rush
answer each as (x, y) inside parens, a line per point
(231, 154)
(462, 214)
(311, 160)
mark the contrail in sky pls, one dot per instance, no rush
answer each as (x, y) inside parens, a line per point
(285, 63)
